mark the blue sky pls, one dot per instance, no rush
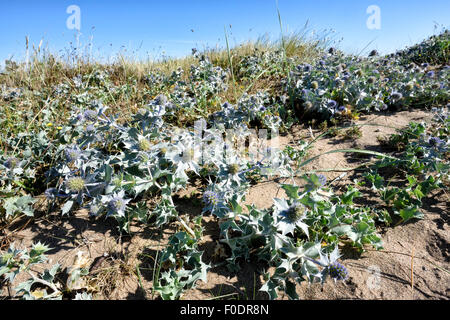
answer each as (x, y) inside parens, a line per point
(152, 28)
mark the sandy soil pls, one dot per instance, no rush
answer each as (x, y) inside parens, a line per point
(412, 265)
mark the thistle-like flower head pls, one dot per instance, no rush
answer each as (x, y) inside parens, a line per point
(233, 168)
(337, 271)
(210, 198)
(117, 204)
(295, 213)
(290, 216)
(76, 184)
(144, 144)
(307, 68)
(90, 115)
(72, 154)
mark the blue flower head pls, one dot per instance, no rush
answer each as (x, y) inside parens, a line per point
(307, 68)
(435, 142)
(117, 204)
(210, 198)
(322, 179)
(90, 115)
(72, 154)
(331, 104)
(160, 100)
(337, 271)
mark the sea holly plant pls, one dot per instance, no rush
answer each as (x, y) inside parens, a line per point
(281, 236)
(340, 86)
(404, 202)
(16, 261)
(43, 286)
(183, 267)
(422, 158)
(129, 163)
(307, 262)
